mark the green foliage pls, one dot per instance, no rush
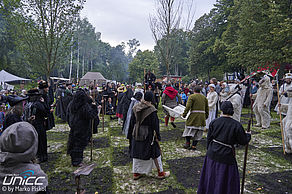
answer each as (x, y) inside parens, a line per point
(145, 60)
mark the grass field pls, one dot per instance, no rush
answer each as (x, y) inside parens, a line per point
(268, 169)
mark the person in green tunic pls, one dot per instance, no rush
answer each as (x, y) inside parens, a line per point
(198, 106)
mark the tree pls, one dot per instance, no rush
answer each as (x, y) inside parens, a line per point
(146, 59)
(45, 31)
(168, 18)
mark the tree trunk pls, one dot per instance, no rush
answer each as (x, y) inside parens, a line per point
(71, 63)
(83, 66)
(77, 75)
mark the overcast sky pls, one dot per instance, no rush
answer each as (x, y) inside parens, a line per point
(122, 20)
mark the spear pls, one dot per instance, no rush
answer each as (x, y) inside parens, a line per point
(245, 160)
(280, 114)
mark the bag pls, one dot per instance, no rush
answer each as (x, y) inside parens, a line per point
(28, 111)
(142, 133)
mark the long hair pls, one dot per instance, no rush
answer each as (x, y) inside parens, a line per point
(17, 109)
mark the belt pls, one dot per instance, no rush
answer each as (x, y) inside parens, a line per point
(198, 111)
(219, 142)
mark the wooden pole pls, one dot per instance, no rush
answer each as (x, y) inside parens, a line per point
(280, 114)
(245, 160)
(92, 123)
(103, 114)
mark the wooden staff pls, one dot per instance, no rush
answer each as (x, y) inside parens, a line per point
(281, 124)
(245, 160)
(103, 113)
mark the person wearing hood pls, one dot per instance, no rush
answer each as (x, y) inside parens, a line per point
(81, 110)
(220, 172)
(18, 148)
(236, 101)
(261, 106)
(126, 101)
(212, 97)
(171, 99)
(145, 134)
(14, 113)
(60, 95)
(134, 100)
(283, 92)
(139, 89)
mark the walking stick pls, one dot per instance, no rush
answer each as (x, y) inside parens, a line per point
(245, 160)
(280, 114)
(103, 114)
(92, 124)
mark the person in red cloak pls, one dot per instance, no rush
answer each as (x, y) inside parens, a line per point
(171, 99)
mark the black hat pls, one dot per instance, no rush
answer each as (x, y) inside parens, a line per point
(13, 100)
(43, 84)
(33, 92)
(148, 96)
(227, 108)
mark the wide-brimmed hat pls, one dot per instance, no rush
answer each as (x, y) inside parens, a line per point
(43, 84)
(13, 100)
(33, 92)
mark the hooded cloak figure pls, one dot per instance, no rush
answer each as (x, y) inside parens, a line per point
(287, 123)
(171, 99)
(220, 172)
(236, 101)
(262, 103)
(283, 92)
(134, 100)
(79, 114)
(60, 104)
(212, 97)
(126, 101)
(18, 148)
(145, 134)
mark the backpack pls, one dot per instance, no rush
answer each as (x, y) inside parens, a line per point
(29, 111)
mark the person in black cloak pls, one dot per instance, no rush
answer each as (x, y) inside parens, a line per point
(119, 112)
(81, 110)
(126, 101)
(47, 93)
(145, 134)
(60, 109)
(220, 172)
(38, 118)
(14, 113)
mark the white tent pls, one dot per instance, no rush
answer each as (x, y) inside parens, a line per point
(8, 77)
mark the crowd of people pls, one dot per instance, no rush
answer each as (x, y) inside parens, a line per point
(135, 108)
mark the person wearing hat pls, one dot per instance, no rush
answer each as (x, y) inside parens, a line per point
(14, 113)
(220, 172)
(18, 148)
(36, 112)
(212, 98)
(283, 92)
(149, 79)
(145, 134)
(139, 88)
(119, 111)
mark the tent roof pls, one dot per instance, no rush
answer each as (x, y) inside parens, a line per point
(8, 77)
(93, 76)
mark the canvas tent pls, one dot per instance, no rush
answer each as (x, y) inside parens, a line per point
(6, 77)
(91, 76)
